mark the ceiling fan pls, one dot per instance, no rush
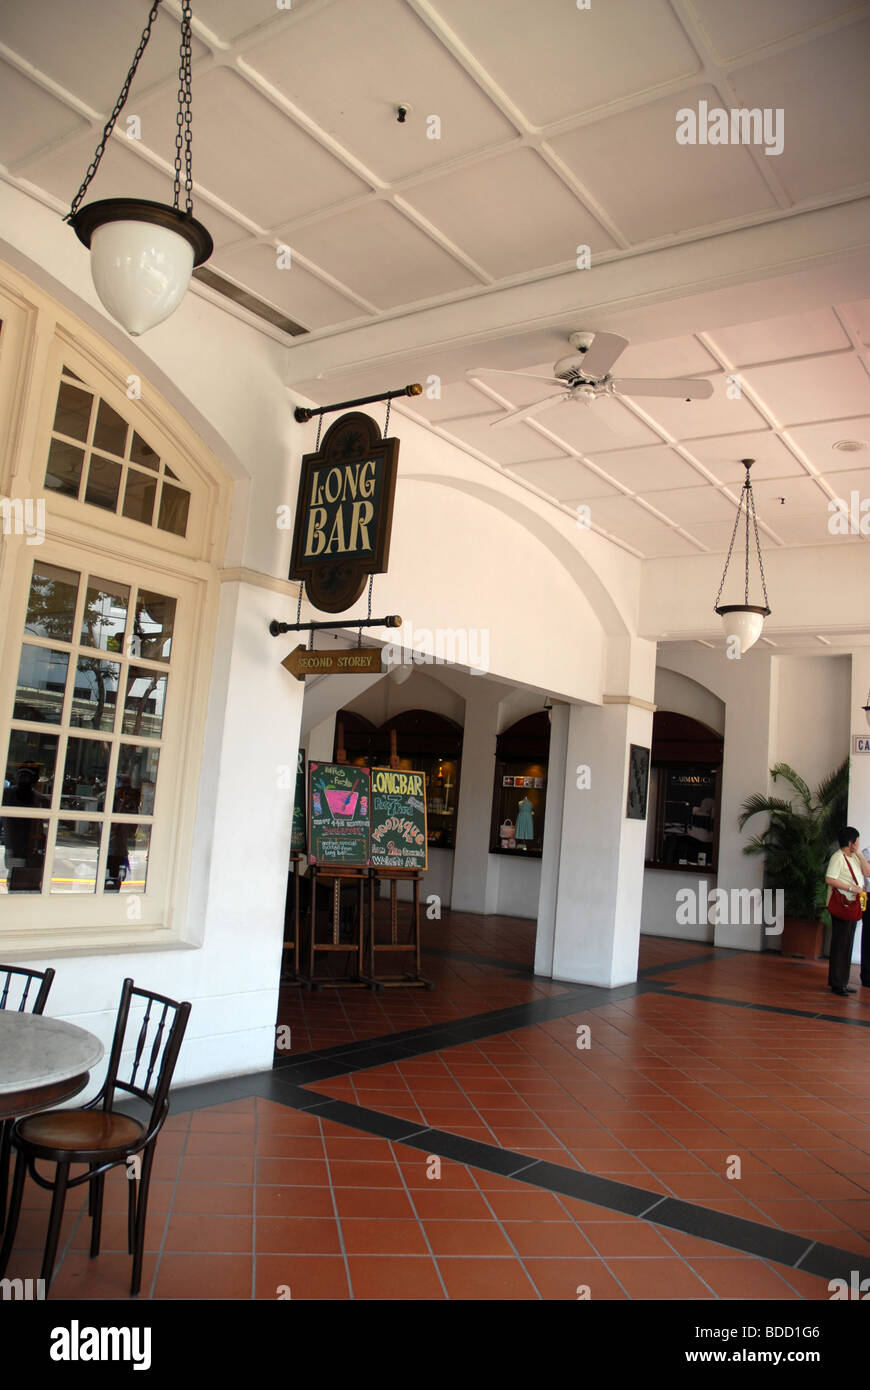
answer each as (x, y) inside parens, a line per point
(585, 375)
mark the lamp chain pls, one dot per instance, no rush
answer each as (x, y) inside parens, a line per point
(730, 549)
(116, 111)
(746, 498)
(183, 135)
(757, 543)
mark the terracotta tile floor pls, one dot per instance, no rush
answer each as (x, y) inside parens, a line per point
(257, 1199)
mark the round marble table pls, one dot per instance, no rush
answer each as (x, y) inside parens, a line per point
(42, 1061)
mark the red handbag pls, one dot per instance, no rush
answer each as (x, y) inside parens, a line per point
(839, 905)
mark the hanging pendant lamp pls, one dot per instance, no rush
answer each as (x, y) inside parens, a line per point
(743, 622)
(866, 708)
(143, 253)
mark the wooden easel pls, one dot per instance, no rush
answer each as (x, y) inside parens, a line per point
(290, 965)
(335, 877)
(409, 979)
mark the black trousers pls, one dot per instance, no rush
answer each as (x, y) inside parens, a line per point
(840, 963)
(865, 949)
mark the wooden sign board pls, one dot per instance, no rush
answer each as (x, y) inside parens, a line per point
(359, 661)
(399, 832)
(298, 839)
(339, 798)
(344, 512)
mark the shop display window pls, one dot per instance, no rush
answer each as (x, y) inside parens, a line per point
(520, 789)
(683, 816)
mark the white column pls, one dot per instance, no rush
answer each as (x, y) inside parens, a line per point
(475, 870)
(859, 763)
(545, 941)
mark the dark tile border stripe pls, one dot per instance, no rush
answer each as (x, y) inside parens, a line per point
(663, 987)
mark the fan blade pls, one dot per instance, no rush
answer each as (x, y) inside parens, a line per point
(516, 415)
(600, 357)
(689, 389)
(528, 376)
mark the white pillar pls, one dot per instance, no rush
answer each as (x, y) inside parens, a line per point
(859, 763)
(545, 942)
(475, 870)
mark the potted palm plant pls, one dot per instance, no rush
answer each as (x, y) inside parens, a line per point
(799, 839)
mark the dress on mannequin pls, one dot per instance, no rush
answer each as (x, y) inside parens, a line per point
(525, 820)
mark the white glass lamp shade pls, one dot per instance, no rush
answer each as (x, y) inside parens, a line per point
(743, 623)
(140, 271)
(400, 665)
(142, 257)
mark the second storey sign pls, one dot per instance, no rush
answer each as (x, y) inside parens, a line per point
(344, 512)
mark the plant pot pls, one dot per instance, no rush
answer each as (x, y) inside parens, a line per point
(802, 938)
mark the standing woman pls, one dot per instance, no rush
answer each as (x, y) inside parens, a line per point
(845, 880)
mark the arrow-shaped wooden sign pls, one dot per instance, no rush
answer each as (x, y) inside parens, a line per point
(360, 661)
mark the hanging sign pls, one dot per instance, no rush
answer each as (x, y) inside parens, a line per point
(339, 797)
(361, 661)
(297, 829)
(344, 512)
(861, 743)
(399, 829)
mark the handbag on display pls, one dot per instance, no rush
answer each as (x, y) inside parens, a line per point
(507, 832)
(845, 910)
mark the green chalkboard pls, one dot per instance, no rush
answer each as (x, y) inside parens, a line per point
(399, 838)
(339, 797)
(297, 833)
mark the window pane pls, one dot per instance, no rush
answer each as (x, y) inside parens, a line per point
(63, 472)
(76, 850)
(174, 504)
(41, 681)
(136, 779)
(29, 769)
(111, 431)
(140, 452)
(95, 697)
(85, 775)
(146, 697)
(105, 615)
(22, 854)
(51, 605)
(154, 624)
(73, 412)
(127, 861)
(104, 479)
(139, 496)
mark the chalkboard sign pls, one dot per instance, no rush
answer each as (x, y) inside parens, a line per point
(399, 838)
(339, 797)
(297, 833)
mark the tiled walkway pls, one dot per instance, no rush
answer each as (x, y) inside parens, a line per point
(459, 1144)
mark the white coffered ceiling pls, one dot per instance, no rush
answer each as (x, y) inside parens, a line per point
(555, 129)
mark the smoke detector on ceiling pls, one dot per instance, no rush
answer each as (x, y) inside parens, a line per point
(850, 446)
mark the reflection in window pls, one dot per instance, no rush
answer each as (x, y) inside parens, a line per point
(96, 694)
(136, 779)
(111, 431)
(63, 472)
(41, 681)
(105, 615)
(153, 625)
(174, 506)
(73, 413)
(140, 452)
(139, 496)
(85, 775)
(51, 604)
(143, 706)
(22, 854)
(29, 769)
(104, 479)
(76, 851)
(127, 861)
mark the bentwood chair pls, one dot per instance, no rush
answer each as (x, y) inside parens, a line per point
(18, 991)
(101, 1136)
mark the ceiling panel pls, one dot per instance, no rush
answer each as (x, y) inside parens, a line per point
(737, 29)
(859, 315)
(648, 470)
(229, 19)
(88, 46)
(687, 505)
(301, 296)
(722, 455)
(516, 390)
(379, 254)
(855, 480)
(803, 496)
(556, 60)
(809, 528)
(607, 424)
(666, 357)
(824, 143)
(511, 213)
(794, 335)
(716, 535)
(564, 478)
(651, 185)
(518, 444)
(47, 118)
(458, 399)
(255, 158)
(813, 389)
(817, 442)
(698, 419)
(350, 65)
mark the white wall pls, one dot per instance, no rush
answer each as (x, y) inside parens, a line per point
(813, 714)
(519, 886)
(659, 914)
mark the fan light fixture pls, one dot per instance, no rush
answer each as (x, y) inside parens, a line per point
(743, 622)
(143, 253)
